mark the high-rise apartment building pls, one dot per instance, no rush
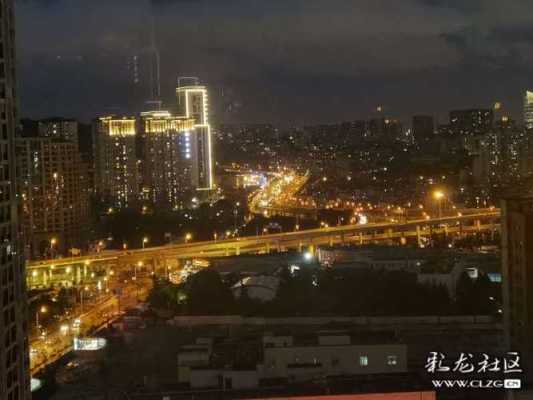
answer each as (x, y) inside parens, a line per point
(528, 109)
(59, 128)
(166, 159)
(193, 104)
(471, 122)
(116, 160)
(517, 261)
(498, 154)
(14, 355)
(53, 189)
(423, 128)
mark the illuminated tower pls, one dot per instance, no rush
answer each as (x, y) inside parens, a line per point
(166, 159)
(528, 109)
(14, 355)
(193, 104)
(116, 160)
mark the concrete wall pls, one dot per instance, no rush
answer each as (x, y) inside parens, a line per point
(302, 363)
(187, 321)
(211, 378)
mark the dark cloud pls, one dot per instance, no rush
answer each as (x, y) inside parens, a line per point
(284, 61)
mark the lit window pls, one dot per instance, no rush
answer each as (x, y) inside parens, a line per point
(392, 360)
(363, 361)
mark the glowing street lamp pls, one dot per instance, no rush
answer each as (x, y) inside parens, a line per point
(53, 242)
(145, 240)
(64, 329)
(42, 310)
(439, 195)
(188, 237)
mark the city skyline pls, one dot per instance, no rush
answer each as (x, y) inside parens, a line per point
(423, 57)
(260, 199)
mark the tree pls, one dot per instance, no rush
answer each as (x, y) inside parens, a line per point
(208, 295)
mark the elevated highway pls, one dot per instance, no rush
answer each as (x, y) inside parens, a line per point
(76, 270)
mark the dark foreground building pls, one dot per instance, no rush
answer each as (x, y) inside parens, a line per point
(14, 362)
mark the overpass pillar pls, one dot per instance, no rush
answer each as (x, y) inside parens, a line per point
(361, 241)
(477, 223)
(78, 275)
(278, 246)
(268, 248)
(418, 236)
(300, 247)
(237, 251)
(45, 277)
(445, 231)
(330, 242)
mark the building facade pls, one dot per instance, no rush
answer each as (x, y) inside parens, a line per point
(166, 159)
(423, 128)
(14, 355)
(528, 109)
(54, 196)
(288, 359)
(193, 104)
(471, 121)
(517, 247)
(59, 128)
(117, 177)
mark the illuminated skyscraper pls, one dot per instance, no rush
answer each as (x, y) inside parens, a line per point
(193, 104)
(166, 159)
(53, 186)
(528, 109)
(14, 355)
(116, 160)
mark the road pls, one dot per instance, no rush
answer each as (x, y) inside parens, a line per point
(279, 193)
(75, 270)
(47, 349)
(58, 341)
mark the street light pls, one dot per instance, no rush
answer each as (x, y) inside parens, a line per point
(41, 310)
(188, 237)
(439, 195)
(85, 289)
(138, 265)
(145, 240)
(53, 242)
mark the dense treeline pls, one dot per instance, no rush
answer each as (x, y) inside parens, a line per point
(315, 291)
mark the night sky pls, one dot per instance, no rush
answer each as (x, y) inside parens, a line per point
(282, 61)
